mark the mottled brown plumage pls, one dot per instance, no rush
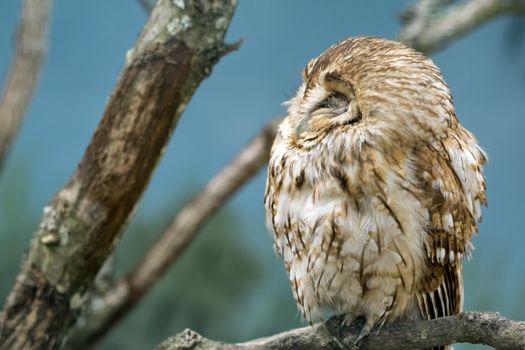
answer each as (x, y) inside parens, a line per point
(374, 188)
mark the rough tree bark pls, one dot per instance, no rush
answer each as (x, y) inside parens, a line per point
(22, 77)
(467, 327)
(80, 226)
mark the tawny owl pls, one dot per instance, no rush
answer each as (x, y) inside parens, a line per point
(374, 188)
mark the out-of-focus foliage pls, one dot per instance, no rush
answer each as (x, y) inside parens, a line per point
(209, 289)
(16, 222)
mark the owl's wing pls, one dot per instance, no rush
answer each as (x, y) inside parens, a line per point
(450, 174)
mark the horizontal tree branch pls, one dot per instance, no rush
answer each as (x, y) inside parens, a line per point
(429, 26)
(80, 227)
(118, 301)
(22, 77)
(468, 327)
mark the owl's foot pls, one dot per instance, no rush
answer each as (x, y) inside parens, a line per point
(380, 325)
(342, 326)
(346, 321)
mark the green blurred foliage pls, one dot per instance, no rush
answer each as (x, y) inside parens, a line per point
(17, 222)
(201, 291)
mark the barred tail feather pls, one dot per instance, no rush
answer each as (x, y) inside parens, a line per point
(446, 299)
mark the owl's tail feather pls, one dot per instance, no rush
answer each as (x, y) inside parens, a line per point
(446, 299)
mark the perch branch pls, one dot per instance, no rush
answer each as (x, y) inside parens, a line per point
(80, 226)
(429, 26)
(120, 299)
(30, 50)
(468, 327)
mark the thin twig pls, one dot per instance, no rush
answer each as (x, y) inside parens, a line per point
(22, 77)
(429, 26)
(119, 300)
(468, 327)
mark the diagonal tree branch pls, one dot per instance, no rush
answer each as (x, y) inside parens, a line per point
(22, 77)
(80, 227)
(467, 327)
(118, 301)
(430, 26)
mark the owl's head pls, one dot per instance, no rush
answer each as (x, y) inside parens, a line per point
(372, 89)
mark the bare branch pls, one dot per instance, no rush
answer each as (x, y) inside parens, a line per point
(80, 227)
(430, 27)
(22, 77)
(467, 327)
(120, 300)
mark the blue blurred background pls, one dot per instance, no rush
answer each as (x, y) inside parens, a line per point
(229, 285)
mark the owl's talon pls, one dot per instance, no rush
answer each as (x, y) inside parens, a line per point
(380, 326)
(335, 339)
(339, 343)
(346, 321)
(365, 331)
(342, 326)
